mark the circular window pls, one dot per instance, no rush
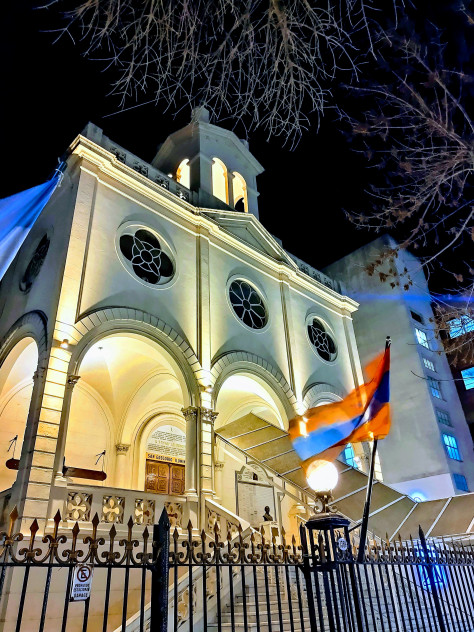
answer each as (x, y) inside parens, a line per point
(34, 266)
(146, 256)
(248, 304)
(321, 340)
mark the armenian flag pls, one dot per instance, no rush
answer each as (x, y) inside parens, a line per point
(363, 415)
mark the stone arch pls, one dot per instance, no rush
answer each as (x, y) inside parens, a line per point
(237, 361)
(106, 321)
(321, 391)
(33, 325)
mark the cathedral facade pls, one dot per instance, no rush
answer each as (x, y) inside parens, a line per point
(156, 340)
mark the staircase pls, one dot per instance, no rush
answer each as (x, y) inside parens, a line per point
(392, 513)
(264, 604)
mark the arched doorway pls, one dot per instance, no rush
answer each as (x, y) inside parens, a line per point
(126, 381)
(16, 387)
(243, 393)
(165, 457)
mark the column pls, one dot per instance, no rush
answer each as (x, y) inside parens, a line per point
(207, 418)
(122, 471)
(190, 468)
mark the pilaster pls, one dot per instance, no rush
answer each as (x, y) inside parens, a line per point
(122, 471)
(44, 451)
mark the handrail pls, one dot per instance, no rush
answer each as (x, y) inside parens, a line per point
(283, 478)
(272, 471)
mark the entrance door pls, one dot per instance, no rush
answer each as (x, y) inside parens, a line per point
(163, 478)
(157, 477)
(177, 479)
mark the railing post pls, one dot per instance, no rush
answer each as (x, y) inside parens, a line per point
(307, 577)
(159, 575)
(431, 576)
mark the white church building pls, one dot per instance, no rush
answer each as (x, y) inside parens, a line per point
(155, 341)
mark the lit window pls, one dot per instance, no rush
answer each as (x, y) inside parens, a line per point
(428, 364)
(460, 482)
(416, 317)
(435, 388)
(239, 188)
(460, 326)
(468, 377)
(349, 455)
(421, 337)
(443, 417)
(183, 173)
(451, 446)
(219, 180)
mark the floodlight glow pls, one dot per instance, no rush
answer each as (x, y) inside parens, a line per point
(322, 476)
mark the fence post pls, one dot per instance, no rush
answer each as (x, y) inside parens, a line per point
(431, 577)
(160, 575)
(307, 577)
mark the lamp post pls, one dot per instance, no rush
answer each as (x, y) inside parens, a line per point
(329, 543)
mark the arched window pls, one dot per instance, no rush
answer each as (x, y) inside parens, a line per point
(240, 193)
(183, 173)
(219, 180)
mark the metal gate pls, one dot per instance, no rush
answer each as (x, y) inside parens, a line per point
(236, 581)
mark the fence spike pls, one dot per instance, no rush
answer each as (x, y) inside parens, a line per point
(75, 529)
(57, 517)
(34, 527)
(112, 532)
(95, 521)
(203, 536)
(189, 528)
(13, 519)
(130, 523)
(146, 533)
(176, 535)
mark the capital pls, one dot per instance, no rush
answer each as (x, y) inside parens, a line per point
(207, 414)
(190, 413)
(122, 448)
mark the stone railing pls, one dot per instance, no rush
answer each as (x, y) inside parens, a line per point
(146, 170)
(226, 521)
(315, 274)
(115, 506)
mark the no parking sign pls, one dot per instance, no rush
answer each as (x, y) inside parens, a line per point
(81, 582)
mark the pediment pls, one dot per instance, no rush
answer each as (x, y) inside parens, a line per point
(247, 228)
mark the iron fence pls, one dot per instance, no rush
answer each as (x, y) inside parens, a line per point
(239, 581)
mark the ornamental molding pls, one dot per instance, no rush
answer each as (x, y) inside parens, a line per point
(190, 413)
(232, 361)
(207, 414)
(101, 322)
(32, 324)
(122, 448)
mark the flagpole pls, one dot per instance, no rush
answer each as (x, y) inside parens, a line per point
(368, 498)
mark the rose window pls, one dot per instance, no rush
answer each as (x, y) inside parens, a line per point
(146, 256)
(247, 304)
(321, 340)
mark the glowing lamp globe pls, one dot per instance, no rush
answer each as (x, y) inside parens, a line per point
(322, 476)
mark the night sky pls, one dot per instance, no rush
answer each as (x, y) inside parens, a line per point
(50, 91)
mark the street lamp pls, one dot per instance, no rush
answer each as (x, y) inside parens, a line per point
(322, 477)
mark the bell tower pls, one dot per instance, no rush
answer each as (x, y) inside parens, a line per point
(214, 162)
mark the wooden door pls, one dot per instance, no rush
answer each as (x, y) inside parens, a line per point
(157, 477)
(177, 480)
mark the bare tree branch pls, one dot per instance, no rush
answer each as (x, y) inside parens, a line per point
(269, 63)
